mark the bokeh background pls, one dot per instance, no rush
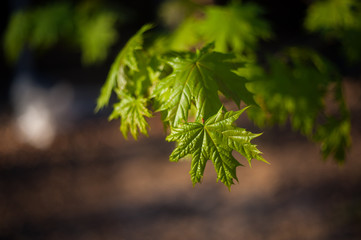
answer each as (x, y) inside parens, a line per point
(67, 173)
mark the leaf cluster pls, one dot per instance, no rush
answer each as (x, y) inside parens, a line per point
(185, 75)
(196, 79)
(175, 83)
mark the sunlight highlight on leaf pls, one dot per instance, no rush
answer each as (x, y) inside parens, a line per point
(214, 140)
(197, 78)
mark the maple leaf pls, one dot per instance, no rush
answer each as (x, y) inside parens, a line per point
(130, 79)
(132, 112)
(197, 78)
(214, 140)
(117, 74)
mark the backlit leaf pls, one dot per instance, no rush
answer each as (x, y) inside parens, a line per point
(116, 76)
(214, 140)
(196, 79)
(132, 112)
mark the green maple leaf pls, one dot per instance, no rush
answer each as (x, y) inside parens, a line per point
(117, 75)
(214, 140)
(129, 78)
(222, 67)
(196, 79)
(132, 112)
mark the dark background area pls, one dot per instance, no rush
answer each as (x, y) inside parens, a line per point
(92, 184)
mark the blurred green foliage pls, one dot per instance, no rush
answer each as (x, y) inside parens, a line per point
(298, 86)
(234, 27)
(88, 26)
(338, 20)
(291, 86)
(333, 15)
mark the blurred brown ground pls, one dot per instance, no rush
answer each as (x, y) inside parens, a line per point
(92, 184)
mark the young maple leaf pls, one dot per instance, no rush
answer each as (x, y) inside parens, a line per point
(197, 78)
(132, 112)
(128, 78)
(116, 75)
(214, 140)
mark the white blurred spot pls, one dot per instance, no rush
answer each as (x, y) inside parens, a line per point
(40, 112)
(36, 125)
